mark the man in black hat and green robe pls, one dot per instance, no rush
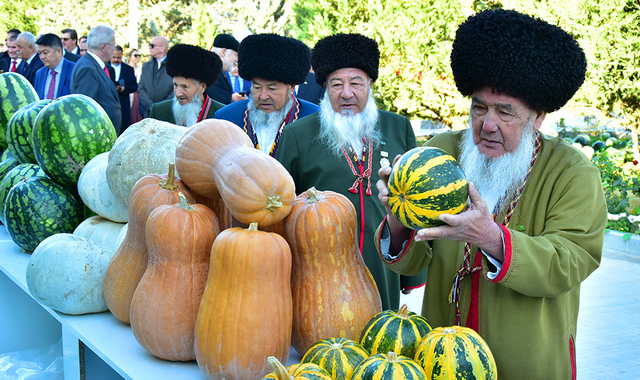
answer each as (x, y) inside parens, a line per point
(511, 265)
(274, 65)
(342, 147)
(190, 103)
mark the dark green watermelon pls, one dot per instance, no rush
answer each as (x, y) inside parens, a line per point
(39, 207)
(19, 131)
(68, 133)
(15, 93)
(8, 153)
(15, 175)
(6, 166)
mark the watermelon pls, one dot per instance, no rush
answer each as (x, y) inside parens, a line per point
(69, 132)
(6, 165)
(8, 153)
(19, 131)
(14, 176)
(15, 93)
(39, 207)
(424, 183)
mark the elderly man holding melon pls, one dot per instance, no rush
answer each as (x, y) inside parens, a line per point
(509, 265)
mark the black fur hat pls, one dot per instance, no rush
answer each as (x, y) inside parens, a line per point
(518, 55)
(193, 62)
(226, 41)
(273, 57)
(345, 50)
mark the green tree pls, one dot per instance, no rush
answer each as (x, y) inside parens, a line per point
(20, 14)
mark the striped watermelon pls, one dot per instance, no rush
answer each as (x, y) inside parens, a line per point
(15, 175)
(19, 131)
(39, 207)
(15, 93)
(399, 331)
(424, 183)
(390, 366)
(6, 165)
(69, 132)
(456, 352)
(338, 356)
(8, 153)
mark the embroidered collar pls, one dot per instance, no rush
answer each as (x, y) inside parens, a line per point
(292, 116)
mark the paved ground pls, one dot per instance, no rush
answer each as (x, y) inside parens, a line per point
(608, 340)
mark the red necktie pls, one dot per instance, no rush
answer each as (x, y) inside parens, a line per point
(52, 85)
(107, 71)
(13, 66)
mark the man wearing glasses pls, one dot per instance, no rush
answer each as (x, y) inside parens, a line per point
(155, 84)
(70, 49)
(91, 75)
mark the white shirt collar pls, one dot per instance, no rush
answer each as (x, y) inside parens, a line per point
(98, 59)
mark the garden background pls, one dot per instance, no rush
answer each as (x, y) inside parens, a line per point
(415, 39)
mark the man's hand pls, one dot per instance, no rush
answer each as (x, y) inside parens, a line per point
(120, 88)
(474, 226)
(236, 96)
(399, 233)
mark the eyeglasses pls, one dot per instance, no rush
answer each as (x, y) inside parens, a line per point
(153, 45)
(65, 39)
(136, 55)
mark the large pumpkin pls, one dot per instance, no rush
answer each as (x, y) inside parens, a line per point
(338, 356)
(165, 304)
(245, 313)
(390, 366)
(424, 183)
(450, 352)
(399, 331)
(130, 261)
(334, 294)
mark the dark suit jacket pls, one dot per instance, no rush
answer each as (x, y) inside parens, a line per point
(221, 90)
(130, 86)
(154, 86)
(70, 56)
(64, 87)
(29, 71)
(162, 111)
(246, 84)
(89, 79)
(310, 90)
(5, 62)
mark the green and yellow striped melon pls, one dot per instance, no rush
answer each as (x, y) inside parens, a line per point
(456, 352)
(338, 356)
(390, 366)
(15, 93)
(424, 183)
(19, 131)
(301, 371)
(399, 331)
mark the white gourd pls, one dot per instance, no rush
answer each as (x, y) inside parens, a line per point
(96, 194)
(101, 230)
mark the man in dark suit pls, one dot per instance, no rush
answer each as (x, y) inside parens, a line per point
(125, 79)
(11, 61)
(155, 85)
(90, 76)
(239, 85)
(4, 56)
(54, 79)
(310, 90)
(26, 43)
(226, 47)
(69, 39)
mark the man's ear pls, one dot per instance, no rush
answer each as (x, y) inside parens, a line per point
(538, 119)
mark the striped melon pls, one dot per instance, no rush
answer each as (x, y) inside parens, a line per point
(338, 356)
(301, 371)
(399, 331)
(19, 131)
(15, 175)
(15, 93)
(389, 366)
(69, 132)
(6, 165)
(456, 352)
(424, 183)
(37, 208)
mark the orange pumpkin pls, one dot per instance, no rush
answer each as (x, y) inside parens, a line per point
(245, 313)
(165, 304)
(334, 294)
(130, 260)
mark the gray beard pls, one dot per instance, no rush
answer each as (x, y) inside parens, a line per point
(497, 178)
(187, 115)
(266, 125)
(343, 130)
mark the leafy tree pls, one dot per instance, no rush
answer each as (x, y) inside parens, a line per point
(20, 14)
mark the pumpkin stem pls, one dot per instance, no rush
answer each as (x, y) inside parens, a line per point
(403, 312)
(448, 330)
(279, 370)
(273, 203)
(312, 195)
(392, 356)
(184, 203)
(252, 227)
(169, 183)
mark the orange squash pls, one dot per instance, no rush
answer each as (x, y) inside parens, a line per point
(334, 294)
(130, 260)
(165, 304)
(245, 313)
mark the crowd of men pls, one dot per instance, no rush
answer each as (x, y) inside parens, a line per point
(510, 266)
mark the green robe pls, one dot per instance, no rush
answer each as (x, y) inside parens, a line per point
(529, 312)
(312, 164)
(162, 111)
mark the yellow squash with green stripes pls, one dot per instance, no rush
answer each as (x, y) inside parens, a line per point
(338, 356)
(456, 353)
(424, 183)
(389, 366)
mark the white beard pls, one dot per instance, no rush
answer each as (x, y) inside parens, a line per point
(187, 115)
(495, 177)
(341, 130)
(266, 125)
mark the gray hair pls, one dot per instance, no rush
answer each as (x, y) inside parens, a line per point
(99, 35)
(29, 38)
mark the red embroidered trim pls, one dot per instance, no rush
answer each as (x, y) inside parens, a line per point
(248, 128)
(205, 107)
(367, 173)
